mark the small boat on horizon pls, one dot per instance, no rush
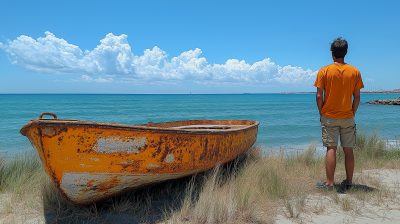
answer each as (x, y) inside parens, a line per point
(92, 161)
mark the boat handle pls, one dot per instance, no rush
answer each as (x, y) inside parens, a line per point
(46, 113)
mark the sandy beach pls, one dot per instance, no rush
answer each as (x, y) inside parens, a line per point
(348, 208)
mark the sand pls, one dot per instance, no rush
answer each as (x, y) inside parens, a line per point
(382, 206)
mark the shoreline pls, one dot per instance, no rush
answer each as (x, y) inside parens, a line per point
(380, 92)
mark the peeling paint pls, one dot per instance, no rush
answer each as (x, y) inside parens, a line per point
(48, 131)
(86, 187)
(117, 144)
(169, 158)
(152, 165)
(127, 162)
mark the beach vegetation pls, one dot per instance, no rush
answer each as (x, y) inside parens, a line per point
(256, 187)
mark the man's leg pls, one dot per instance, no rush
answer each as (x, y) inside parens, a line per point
(349, 163)
(330, 133)
(330, 164)
(348, 137)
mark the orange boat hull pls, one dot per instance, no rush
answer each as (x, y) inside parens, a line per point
(92, 161)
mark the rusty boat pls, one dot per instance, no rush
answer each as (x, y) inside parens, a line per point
(92, 161)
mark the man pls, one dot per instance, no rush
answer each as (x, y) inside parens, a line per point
(340, 82)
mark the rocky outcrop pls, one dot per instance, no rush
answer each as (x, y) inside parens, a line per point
(386, 102)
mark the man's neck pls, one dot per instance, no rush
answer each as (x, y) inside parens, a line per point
(338, 60)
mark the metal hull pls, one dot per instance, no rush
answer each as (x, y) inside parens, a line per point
(92, 161)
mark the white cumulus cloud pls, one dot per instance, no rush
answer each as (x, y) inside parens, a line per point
(113, 58)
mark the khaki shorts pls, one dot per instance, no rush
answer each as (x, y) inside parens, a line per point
(331, 128)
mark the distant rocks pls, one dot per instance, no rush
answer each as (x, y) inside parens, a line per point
(386, 102)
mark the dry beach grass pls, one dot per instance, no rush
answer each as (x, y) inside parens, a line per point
(260, 186)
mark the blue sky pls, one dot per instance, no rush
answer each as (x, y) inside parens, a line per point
(180, 47)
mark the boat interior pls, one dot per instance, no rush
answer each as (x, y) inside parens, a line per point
(206, 125)
(210, 127)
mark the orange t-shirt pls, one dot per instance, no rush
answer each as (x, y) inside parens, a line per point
(339, 82)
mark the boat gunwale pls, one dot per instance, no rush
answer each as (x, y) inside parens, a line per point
(139, 127)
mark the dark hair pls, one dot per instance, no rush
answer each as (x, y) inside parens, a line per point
(339, 48)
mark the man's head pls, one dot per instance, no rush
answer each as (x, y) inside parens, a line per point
(339, 48)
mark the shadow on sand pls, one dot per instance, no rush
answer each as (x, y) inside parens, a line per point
(340, 189)
(145, 205)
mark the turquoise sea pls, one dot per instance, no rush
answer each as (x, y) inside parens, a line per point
(286, 121)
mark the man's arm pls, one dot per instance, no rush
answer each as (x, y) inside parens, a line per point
(320, 99)
(356, 101)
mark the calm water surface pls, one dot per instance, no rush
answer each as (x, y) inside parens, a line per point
(289, 121)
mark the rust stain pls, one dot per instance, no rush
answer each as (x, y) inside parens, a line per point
(105, 186)
(154, 150)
